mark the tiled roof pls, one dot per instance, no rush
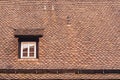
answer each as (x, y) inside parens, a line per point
(27, 32)
(90, 40)
(61, 76)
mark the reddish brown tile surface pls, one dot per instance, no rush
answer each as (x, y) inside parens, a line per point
(27, 32)
(61, 76)
(91, 40)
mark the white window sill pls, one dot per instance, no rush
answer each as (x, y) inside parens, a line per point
(27, 59)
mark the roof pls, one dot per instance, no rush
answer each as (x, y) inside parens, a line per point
(28, 32)
(90, 42)
(60, 76)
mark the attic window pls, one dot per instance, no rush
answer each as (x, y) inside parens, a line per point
(28, 49)
(28, 40)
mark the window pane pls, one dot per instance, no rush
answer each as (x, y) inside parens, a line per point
(25, 54)
(25, 48)
(32, 54)
(31, 48)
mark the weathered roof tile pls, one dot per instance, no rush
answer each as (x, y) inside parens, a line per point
(27, 32)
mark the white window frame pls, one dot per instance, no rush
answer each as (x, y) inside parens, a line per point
(28, 46)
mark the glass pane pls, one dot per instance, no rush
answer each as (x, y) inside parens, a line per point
(25, 48)
(25, 54)
(32, 54)
(31, 48)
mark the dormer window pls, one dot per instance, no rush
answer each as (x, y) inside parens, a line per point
(28, 40)
(28, 49)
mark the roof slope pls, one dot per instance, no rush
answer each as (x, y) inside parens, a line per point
(60, 76)
(77, 34)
